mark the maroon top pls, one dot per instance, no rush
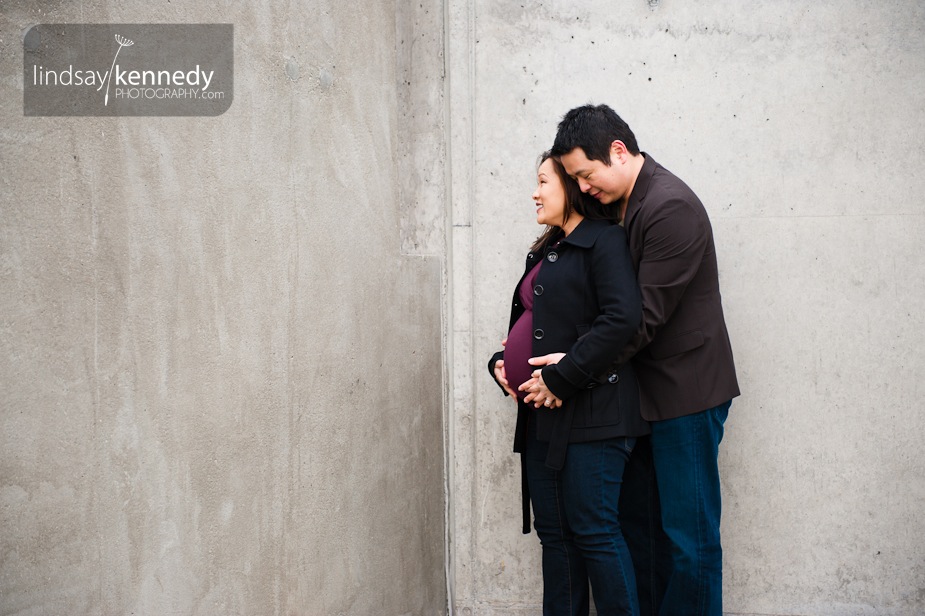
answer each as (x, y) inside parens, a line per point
(519, 347)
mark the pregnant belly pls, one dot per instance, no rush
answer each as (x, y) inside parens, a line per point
(517, 351)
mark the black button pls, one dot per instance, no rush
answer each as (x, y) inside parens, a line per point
(613, 377)
(530, 256)
(538, 334)
(538, 289)
(551, 257)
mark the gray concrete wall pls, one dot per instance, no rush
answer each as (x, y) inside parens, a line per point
(222, 382)
(800, 126)
(224, 360)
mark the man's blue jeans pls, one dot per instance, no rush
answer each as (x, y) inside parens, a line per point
(670, 512)
(576, 517)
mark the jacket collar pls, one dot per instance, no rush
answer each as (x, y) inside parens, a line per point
(640, 188)
(585, 234)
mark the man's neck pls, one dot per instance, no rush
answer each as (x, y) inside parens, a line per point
(634, 164)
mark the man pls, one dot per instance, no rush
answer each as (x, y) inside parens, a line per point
(683, 360)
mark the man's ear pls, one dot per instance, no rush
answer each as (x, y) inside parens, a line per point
(618, 151)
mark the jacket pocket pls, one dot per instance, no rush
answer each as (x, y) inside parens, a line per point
(596, 408)
(679, 344)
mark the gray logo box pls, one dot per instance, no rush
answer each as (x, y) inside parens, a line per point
(128, 69)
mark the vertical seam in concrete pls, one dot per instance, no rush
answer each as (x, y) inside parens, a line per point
(293, 469)
(448, 431)
(96, 395)
(460, 92)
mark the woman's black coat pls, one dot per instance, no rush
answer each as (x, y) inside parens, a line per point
(587, 305)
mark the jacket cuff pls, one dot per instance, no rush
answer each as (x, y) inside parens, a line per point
(565, 379)
(491, 369)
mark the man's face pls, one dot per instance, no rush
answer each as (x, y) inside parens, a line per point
(603, 182)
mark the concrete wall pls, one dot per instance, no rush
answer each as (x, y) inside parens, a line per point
(800, 126)
(223, 338)
(222, 383)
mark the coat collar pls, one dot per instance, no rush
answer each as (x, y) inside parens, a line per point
(640, 188)
(585, 234)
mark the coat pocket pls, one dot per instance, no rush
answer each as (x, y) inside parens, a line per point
(676, 345)
(598, 407)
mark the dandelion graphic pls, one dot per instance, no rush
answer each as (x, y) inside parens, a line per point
(123, 42)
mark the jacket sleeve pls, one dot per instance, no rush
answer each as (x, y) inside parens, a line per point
(675, 242)
(491, 368)
(620, 312)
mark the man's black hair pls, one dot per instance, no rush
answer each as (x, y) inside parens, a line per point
(593, 128)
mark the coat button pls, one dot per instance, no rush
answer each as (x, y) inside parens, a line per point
(613, 377)
(530, 256)
(538, 334)
(551, 257)
(538, 289)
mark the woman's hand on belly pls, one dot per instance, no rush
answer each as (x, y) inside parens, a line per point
(501, 377)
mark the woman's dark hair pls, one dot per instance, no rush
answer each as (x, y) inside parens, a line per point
(575, 202)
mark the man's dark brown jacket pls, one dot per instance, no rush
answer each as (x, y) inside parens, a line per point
(682, 355)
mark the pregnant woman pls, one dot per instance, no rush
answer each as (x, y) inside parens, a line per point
(577, 296)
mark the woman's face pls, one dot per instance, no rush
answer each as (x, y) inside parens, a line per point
(549, 196)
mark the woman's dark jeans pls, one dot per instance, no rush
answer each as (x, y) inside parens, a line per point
(575, 516)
